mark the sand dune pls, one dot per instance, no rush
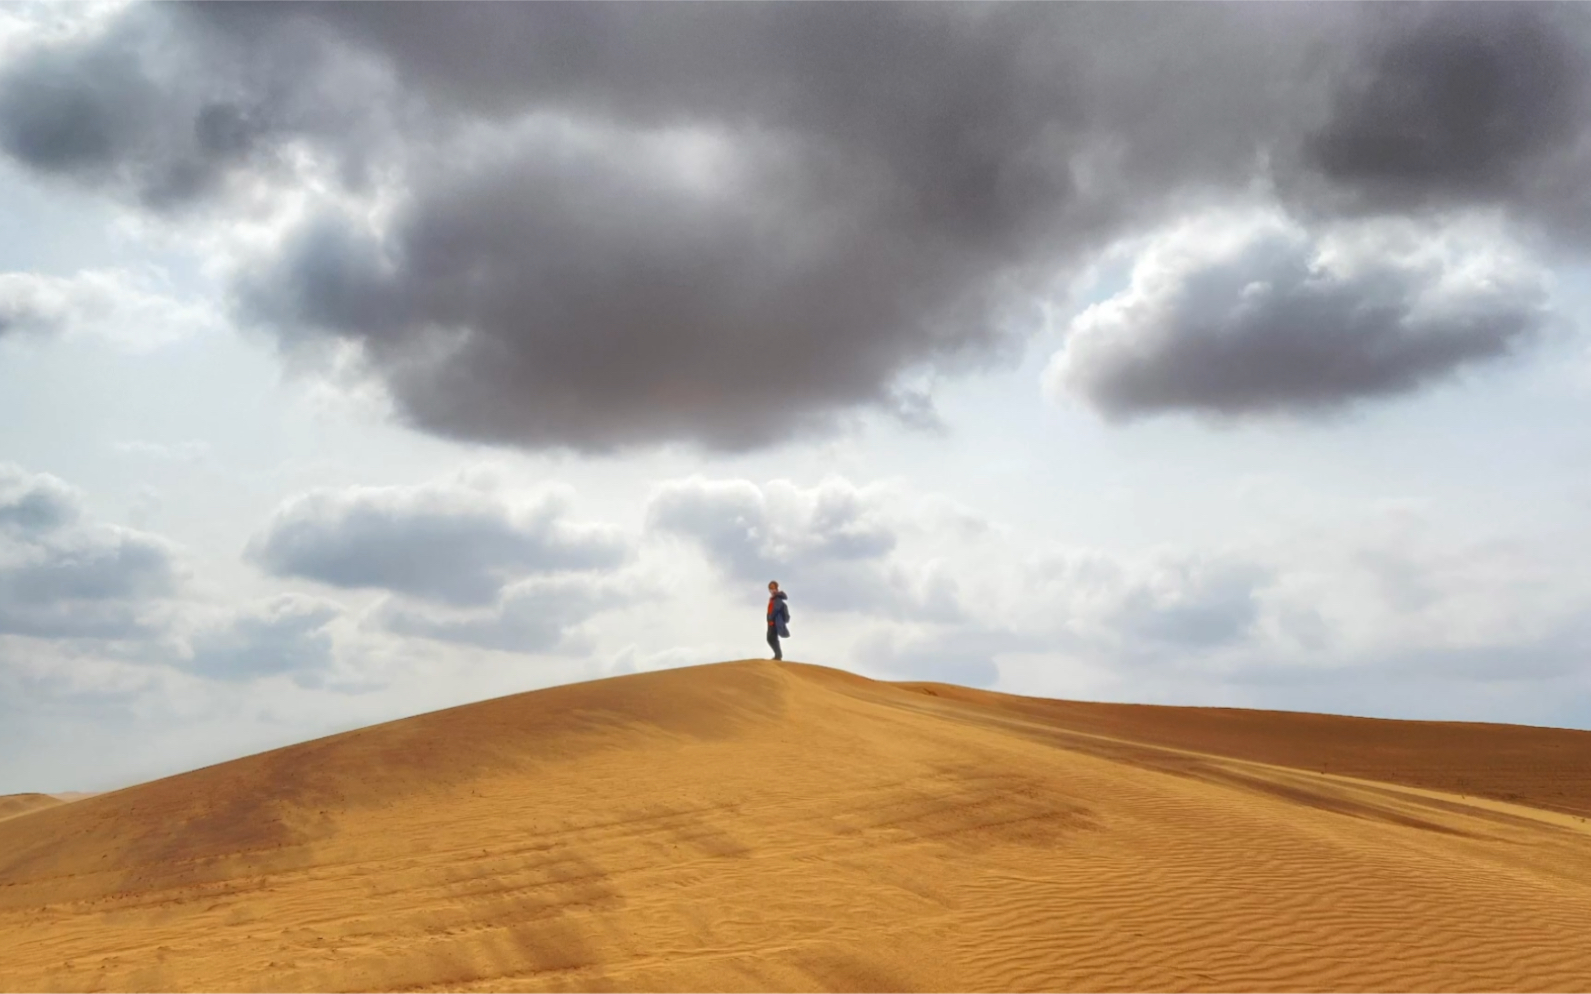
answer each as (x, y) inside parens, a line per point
(73, 795)
(754, 826)
(12, 805)
(1542, 767)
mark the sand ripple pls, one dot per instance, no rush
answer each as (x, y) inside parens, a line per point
(752, 826)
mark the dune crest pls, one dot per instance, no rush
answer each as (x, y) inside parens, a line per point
(753, 825)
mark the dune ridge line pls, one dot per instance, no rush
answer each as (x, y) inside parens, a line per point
(762, 826)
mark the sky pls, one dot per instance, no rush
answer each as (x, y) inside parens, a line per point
(362, 360)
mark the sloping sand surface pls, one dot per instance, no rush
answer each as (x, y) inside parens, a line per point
(751, 826)
(12, 805)
(1542, 767)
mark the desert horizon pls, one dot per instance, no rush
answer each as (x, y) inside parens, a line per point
(414, 415)
(756, 825)
(1084, 712)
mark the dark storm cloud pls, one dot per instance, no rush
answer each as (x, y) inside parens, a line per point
(1233, 318)
(732, 224)
(63, 577)
(155, 107)
(1464, 102)
(103, 112)
(570, 297)
(440, 542)
(725, 242)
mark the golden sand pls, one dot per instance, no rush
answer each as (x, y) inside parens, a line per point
(751, 826)
(12, 805)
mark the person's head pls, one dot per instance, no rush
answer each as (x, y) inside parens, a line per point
(773, 586)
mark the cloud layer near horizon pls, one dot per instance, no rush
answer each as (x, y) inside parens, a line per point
(446, 542)
(549, 226)
(1386, 615)
(62, 576)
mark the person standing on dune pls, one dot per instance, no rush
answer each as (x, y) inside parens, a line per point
(778, 618)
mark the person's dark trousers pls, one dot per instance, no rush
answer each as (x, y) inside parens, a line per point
(773, 642)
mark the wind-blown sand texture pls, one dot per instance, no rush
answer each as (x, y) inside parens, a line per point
(753, 826)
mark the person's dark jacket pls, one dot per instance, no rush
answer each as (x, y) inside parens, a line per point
(779, 614)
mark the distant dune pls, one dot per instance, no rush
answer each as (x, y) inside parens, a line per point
(12, 805)
(1542, 767)
(757, 826)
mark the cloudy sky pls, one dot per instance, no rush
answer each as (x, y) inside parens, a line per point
(357, 361)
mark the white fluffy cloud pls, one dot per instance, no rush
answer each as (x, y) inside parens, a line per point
(1132, 607)
(135, 310)
(536, 615)
(62, 576)
(450, 542)
(1389, 603)
(832, 545)
(284, 634)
